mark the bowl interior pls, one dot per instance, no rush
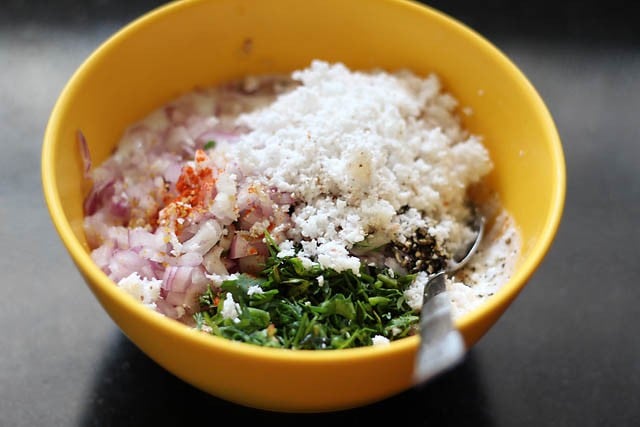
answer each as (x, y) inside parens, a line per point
(198, 43)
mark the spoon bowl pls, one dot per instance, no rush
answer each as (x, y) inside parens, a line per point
(456, 263)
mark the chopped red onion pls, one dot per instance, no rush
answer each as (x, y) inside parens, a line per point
(84, 154)
(177, 279)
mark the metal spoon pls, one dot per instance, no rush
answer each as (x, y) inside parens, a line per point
(441, 344)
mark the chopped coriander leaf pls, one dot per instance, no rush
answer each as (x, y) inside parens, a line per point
(210, 144)
(292, 310)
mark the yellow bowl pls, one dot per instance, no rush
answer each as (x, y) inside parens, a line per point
(178, 46)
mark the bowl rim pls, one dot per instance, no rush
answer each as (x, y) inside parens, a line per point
(90, 270)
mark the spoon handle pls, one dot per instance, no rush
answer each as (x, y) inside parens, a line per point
(441, 344)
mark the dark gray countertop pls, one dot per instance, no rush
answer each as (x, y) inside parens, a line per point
(566, 353)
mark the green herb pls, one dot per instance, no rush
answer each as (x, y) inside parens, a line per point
(302, 307)
(210, 144)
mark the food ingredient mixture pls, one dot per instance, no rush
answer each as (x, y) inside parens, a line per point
(303, 211)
